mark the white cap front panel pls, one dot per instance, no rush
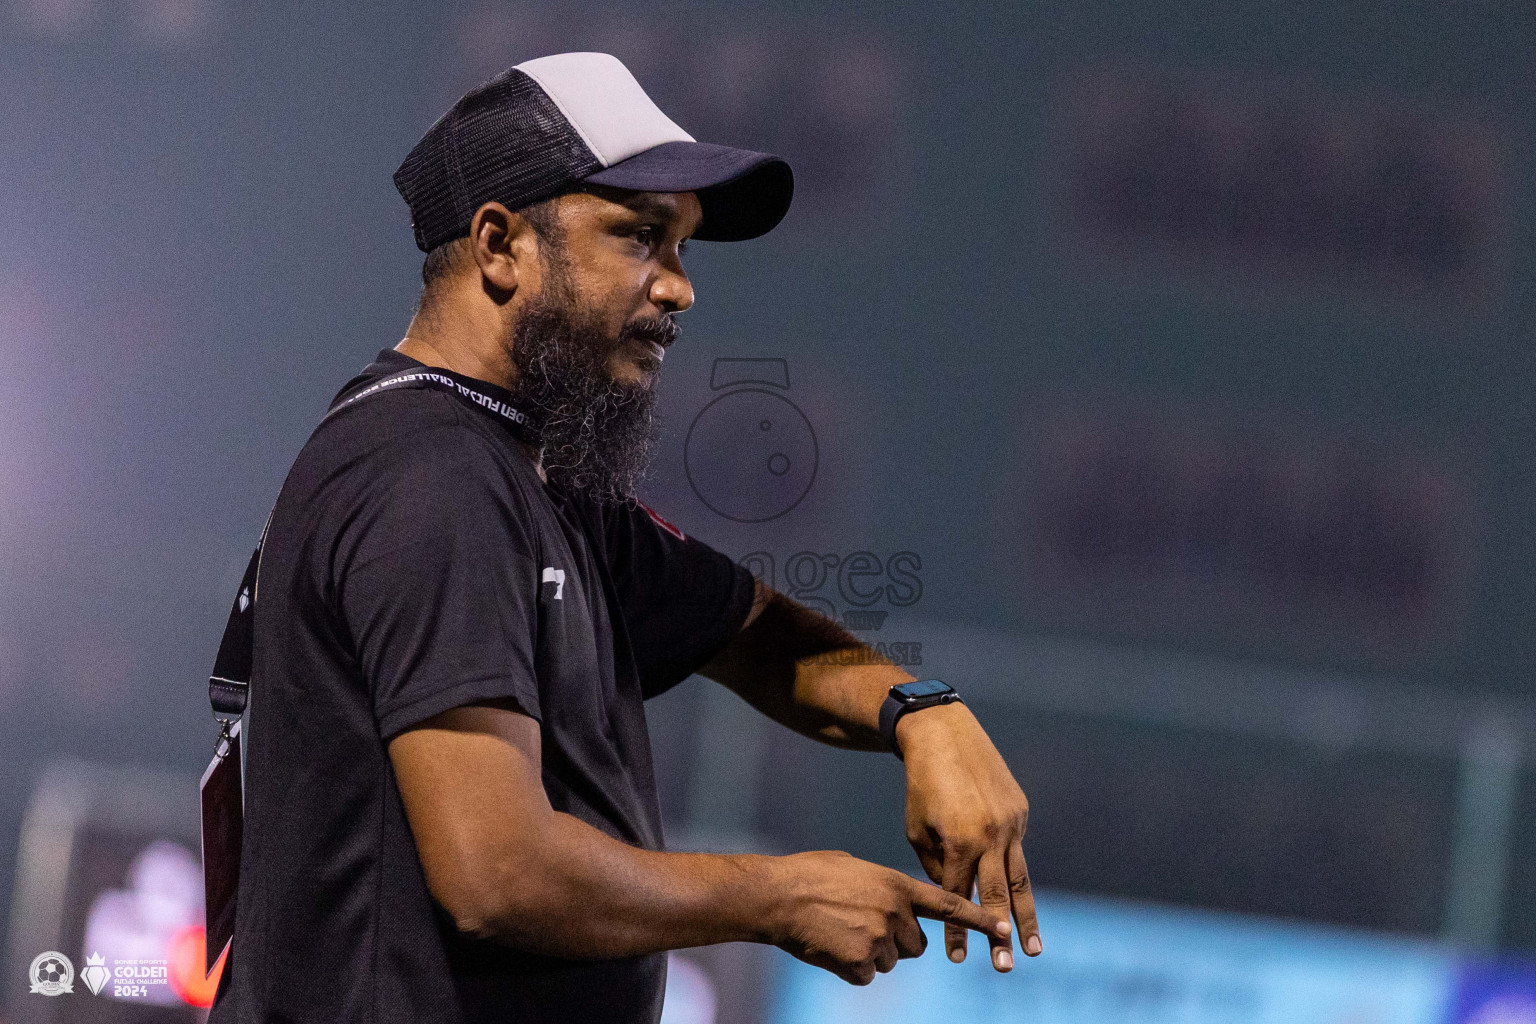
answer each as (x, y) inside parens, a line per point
(604, 103)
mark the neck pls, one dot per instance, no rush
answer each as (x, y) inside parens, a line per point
(457, 342)
(455, 333)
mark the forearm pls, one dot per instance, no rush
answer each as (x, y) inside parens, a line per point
(576, 892)
(508, 867)
(809, 673)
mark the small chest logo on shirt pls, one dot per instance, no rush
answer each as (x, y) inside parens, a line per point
(555, 576)
(656, 518)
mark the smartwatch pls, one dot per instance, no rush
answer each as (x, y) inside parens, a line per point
(907, 697)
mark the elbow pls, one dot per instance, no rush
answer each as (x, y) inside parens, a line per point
(499, 904)
(477, 896)
(476, 918)
(474, 909)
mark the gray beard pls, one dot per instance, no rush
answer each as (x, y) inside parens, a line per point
(597, 433)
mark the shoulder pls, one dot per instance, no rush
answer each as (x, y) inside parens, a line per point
(411, 432)
(418, 453)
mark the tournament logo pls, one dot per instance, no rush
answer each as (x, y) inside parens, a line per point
(95, 974)
(52, 974)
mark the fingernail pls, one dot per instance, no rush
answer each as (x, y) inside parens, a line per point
(1032, 945)
(957, 954)
(1004, 928)
(1004, 960)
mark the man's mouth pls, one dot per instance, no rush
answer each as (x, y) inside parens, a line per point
(651, 341)
(648, 355)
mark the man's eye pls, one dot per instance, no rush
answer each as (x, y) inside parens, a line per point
(646, 236)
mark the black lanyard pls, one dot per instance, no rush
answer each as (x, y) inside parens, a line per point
(223, 786)
(229, 685)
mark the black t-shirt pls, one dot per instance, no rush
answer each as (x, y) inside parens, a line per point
(416, 562)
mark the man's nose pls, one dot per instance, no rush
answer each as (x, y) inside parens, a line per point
(672, 291)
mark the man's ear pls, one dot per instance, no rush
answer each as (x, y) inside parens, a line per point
(505, 248)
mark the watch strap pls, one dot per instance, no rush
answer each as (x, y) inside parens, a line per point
(893, 708)
(889, 712)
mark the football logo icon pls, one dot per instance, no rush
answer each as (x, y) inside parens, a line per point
(52, 974)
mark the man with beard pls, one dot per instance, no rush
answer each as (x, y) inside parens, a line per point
(450, 810)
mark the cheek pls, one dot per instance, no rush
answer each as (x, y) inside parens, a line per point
(615, 291)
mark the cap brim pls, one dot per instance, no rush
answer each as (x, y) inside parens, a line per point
(744, 194)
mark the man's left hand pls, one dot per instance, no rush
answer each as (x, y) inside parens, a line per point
(965, 818)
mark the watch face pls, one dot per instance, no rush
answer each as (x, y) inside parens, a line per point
(923, 688)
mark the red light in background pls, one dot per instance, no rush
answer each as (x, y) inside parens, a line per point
(186, 958)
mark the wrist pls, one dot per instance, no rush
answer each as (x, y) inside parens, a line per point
(927, 726)
(906, 699)
(763, 902)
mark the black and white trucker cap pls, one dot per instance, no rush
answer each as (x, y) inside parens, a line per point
(538, 129)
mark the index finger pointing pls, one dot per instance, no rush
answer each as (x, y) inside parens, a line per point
(942, 905)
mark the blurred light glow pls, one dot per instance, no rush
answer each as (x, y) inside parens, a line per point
(1107, 962)
(690, 997)
(147, 920)
(188, 956)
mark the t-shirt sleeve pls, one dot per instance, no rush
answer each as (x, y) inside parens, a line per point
(682, 599)
(435, 580)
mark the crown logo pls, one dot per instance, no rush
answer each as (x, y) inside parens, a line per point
(95, 974)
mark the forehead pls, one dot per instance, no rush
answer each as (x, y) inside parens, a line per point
(679, 210)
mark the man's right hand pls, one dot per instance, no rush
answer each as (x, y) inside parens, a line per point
(855, 918)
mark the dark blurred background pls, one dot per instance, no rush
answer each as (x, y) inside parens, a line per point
(1158, 373)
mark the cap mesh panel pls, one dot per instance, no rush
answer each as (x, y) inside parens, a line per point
(504, 142)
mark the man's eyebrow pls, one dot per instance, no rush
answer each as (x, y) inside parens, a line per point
(646, 203)
(650, 204)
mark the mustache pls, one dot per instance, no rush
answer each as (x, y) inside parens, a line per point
(663, 330)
